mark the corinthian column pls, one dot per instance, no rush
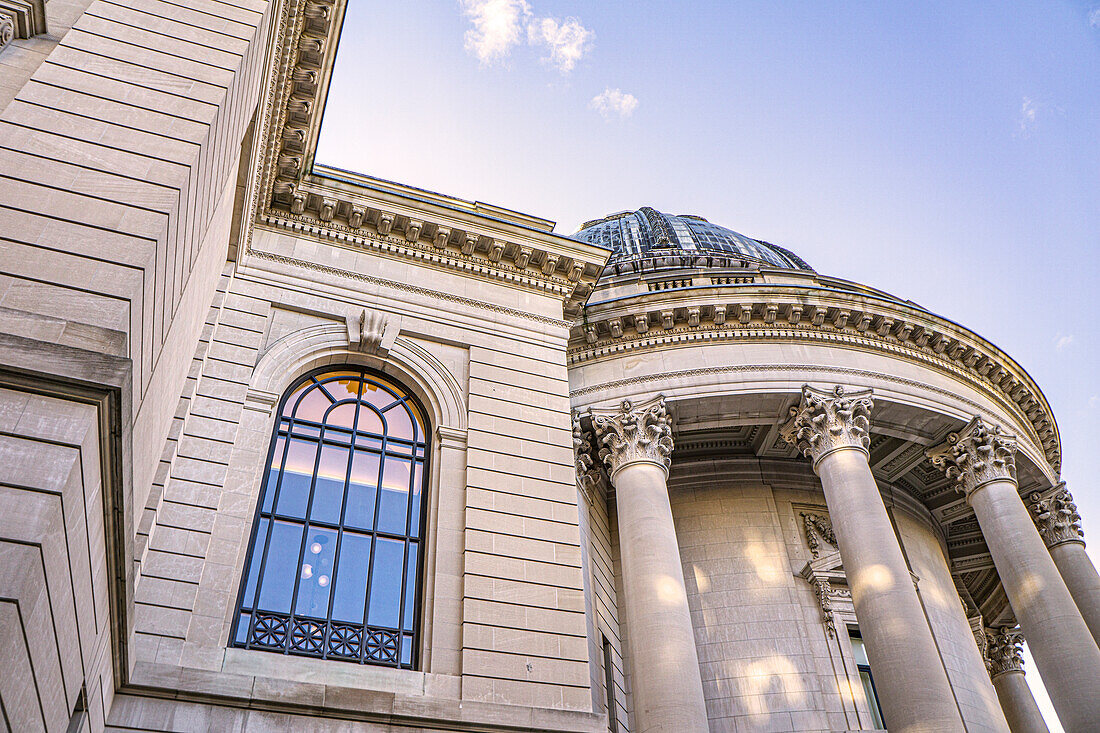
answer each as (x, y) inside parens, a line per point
(1059, 525)
(635, 445)
(831, 428)
(981, 460)
(1004, 660)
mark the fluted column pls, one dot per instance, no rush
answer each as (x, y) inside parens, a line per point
(1059, 525)
(981, 460)
(1004, 660)
(635, 446)
(831, 428)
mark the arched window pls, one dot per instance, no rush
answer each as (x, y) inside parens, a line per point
(333, 568)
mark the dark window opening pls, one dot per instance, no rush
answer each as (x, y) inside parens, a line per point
(864, 668)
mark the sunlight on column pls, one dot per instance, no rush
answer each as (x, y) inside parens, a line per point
(669, 591)
(874, 577)
(1031, 587)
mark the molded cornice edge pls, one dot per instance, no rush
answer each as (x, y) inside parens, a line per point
(392, 220)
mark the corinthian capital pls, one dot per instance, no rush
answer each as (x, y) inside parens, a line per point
(976, 455)
(1056, 517)
(634, 433)
(1004, 652)
(827, 421)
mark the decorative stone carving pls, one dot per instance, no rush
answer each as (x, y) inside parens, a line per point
(1004, 651)
(1056, 517)
(7, 31)
(828, 421)
(374, 328)
(824, 590)
(632, 434)
(588, 473)
(976, 455)
(816, 529)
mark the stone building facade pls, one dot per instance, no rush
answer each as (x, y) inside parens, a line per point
(656, 476)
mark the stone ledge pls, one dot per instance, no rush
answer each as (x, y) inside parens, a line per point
(290, 697)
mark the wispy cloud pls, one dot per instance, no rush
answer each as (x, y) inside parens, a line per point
(1028, 119)
(1094, 17)
(1094, 401)
(497, 27)
(1062, 342)
(614, 102)
(566, 42)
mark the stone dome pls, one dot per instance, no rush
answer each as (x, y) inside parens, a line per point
(648, 234)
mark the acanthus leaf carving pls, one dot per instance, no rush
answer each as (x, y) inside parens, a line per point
(817, 528)
(976, 455)
(1056, 517)
(827, 421)
(588, 473)
(1004, 651)
(634, 433)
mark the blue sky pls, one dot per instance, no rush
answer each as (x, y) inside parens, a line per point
(947, 153)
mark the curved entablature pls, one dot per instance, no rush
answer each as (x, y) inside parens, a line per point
(768, 313)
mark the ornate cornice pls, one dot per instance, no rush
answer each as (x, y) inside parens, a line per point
(768, 313)
(829, 421)
(1004, 651)
(976, 455)
(633, 434)
(1056, 517)
(389, 219)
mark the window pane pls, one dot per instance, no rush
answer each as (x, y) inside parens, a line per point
(312, 406)
(279, 567)
(859, 652)
(398, 423)
(872, 698)
(316, 573)
(362, 490)
(385, 585)
(242, 628)
(254, 568)
(417, 484)
(297, 474)
(368, 420)
(328, 491)
(395, 496)
(410, 588)
(273, 473)
(342, 416)
(351, 578)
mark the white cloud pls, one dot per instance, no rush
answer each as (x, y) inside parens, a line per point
(566, 42)
(497, 27)
(1094, 401)
(1094, 18)
(1028, 118)
(614, 102)
(1063, 341)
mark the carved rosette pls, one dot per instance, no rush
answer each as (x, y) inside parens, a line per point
(976, 455)
(1004, 651)
(634, 433)
(1056, 517)
(588, 473)
(827, 421)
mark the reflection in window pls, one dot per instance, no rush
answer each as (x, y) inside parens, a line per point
(334, 562)
(864, 667)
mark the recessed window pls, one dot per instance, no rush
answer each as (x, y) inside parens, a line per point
(864, 668)
(334, 563)
(609, 688)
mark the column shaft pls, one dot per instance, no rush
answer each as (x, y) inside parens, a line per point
(1018, 703)
(1059, 640)
(909, 675)
(1079, 575)
(668, 691)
